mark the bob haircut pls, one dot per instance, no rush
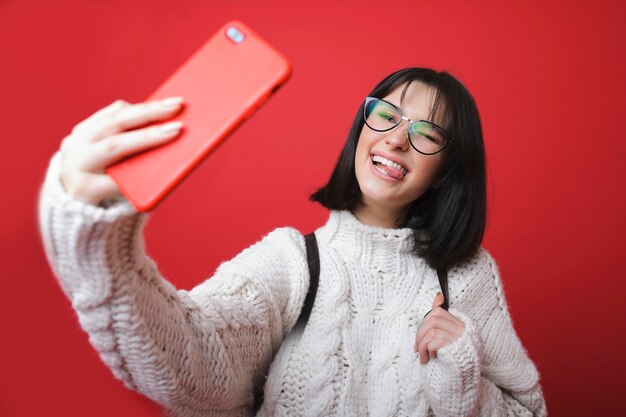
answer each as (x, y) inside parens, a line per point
(448, 220)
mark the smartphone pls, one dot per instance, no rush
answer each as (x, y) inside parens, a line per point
(223, 83)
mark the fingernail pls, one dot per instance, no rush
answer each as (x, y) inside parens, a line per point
(117, 104)
(167, 131)
(171, 102)
(170, 127)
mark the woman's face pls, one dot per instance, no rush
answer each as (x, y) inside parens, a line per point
(388, 191)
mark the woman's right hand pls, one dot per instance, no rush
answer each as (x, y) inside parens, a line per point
(109, 135)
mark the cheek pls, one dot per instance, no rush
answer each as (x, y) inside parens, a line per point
(425, 170)
(430, 167)
(362, 151)
(364, 143)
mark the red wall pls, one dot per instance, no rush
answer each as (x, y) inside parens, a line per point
(548, 78)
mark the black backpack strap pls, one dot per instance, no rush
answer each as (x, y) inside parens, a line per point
(313, 259)
(442, 274)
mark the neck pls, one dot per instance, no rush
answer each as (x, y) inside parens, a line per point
(377, 216)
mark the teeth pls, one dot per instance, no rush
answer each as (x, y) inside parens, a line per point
(385, 161)
(381, 170)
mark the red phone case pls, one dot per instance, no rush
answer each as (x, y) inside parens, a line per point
(223, 83)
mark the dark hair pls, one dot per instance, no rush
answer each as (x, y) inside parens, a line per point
(449, 220)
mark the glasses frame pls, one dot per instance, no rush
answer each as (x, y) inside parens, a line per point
(411, 122)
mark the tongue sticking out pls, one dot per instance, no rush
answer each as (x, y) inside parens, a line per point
(394, 173)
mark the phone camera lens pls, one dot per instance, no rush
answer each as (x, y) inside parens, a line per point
(235, 34)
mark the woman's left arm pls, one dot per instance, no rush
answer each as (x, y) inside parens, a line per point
(474, 364)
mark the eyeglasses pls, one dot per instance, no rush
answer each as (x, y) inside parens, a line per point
(425, 137)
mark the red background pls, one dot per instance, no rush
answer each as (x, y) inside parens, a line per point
(548, 78)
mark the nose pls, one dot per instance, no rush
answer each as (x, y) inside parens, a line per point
(399, 137)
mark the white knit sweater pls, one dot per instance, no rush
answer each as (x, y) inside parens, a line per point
(199, 352)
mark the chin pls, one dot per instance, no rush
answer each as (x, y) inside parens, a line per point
(380, 199)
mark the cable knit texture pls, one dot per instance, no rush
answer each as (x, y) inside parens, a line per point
(200, 352)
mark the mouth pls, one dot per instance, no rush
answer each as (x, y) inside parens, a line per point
(388, 168)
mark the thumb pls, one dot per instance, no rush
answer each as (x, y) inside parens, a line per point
(439, 299)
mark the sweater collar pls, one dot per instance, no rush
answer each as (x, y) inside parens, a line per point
(345, 230)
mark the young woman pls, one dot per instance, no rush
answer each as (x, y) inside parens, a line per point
(407, 198)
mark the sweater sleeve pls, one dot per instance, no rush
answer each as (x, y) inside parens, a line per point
(487, 371)
(191, 351)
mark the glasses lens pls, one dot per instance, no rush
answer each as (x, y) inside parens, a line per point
(426, 137)
(380, 115)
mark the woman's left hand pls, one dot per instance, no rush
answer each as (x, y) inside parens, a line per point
(439, 328)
